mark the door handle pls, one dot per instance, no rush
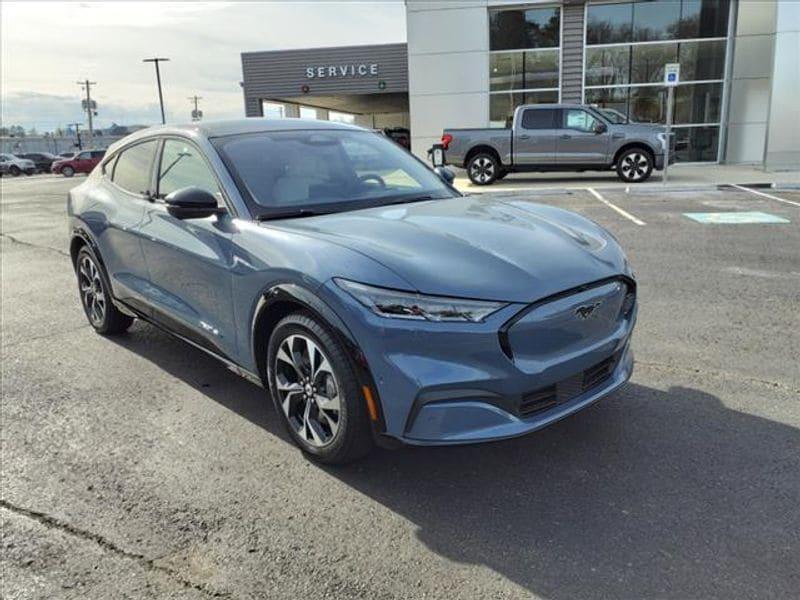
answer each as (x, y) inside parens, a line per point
(524, 137)
(566, 137)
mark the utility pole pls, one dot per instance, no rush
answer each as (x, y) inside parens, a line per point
(197, 114)
(87, 85)
(155, 61)
(77, 133)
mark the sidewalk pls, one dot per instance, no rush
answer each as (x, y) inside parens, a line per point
(688, 176)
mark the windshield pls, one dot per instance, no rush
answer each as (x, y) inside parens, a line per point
(322, 171)
(614, 116)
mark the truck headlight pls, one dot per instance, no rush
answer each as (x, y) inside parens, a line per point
(408, 305)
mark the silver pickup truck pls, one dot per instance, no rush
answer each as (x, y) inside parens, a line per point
(558, 137)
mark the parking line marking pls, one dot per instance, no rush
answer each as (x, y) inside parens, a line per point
(770, 196)
(624, 213)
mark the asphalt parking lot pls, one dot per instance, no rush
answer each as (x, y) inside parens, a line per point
(137, 467)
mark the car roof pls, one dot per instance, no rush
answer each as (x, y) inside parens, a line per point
(212, 129)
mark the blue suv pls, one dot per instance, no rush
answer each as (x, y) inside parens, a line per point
(374, 302)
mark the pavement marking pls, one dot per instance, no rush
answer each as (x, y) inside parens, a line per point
(770, 196)
(735, 218)
(624, 213)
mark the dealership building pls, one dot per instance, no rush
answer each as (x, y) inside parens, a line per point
(469, 63)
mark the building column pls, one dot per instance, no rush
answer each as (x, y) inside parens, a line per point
(572, 13)
(783, 128)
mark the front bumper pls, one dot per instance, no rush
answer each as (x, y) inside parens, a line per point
(454, 383)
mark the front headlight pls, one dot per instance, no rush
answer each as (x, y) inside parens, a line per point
(408, 305)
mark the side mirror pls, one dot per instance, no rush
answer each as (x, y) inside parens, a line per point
(445, 174)
(192, 203)
(600, 128)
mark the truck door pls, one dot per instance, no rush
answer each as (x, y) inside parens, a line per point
(582, 139)
(535, 137)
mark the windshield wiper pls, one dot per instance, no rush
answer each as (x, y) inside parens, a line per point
(290, 214)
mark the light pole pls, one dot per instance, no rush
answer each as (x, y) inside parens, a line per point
(158, 80)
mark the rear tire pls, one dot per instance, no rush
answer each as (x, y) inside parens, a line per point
(14, 170)
(95, 293)
(68, 171)
(315, 391)
(635, 165)
(483, 168)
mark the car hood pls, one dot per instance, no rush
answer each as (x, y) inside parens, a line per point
(511, 250)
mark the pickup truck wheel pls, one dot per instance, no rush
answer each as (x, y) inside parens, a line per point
(635, 165)
(483, 169)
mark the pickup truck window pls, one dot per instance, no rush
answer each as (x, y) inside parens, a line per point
(539, 118)
(579, 119)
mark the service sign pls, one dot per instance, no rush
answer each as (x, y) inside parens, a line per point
(342, 71)
(672, 74)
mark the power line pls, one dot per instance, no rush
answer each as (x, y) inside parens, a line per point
(87, 86)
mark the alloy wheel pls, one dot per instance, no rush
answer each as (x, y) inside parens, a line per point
(482, 169)
(308, 390)
(634, 166)
(92, 293)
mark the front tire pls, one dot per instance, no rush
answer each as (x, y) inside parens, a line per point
(483, 168)
(635, 165)
(68, 171)
(14, 170)
(96, 296)
(315, 391)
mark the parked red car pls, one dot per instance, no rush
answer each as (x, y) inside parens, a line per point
(82, 162)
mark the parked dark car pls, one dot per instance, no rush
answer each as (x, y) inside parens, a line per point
(82, 162)
(559, 137)
(43, 160)
(373, 301)
(67, 154)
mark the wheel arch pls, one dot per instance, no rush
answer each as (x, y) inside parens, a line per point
(482, 148)
(283, 299)
(79, 239)
(635, 145)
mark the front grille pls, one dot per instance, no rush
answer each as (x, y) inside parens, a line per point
(569, 388)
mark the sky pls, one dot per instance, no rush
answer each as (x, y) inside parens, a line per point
(48, 46)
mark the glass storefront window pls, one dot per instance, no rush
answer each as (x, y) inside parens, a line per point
(648, 60)
(609, 23)
(517, 29)
(702, 60)
(502, 105)
(613, 99)
(704, 18)
(699, 103)
(653, 20)
(656, 20)
(523, 70)
(648, 104)
(696, 144)
(608, 66)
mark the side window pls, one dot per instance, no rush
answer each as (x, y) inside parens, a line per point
(98, 153)
(132, 170)
(84, 156)
(182, 166)
(579, 119)
(539, 118)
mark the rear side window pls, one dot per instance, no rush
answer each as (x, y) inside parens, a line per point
(132, 170)
(182, 166)
(539, 118)
(98, 153)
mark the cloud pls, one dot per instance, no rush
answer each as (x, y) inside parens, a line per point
(48, 47)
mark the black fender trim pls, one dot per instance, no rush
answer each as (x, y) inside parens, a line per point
(310, 301)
